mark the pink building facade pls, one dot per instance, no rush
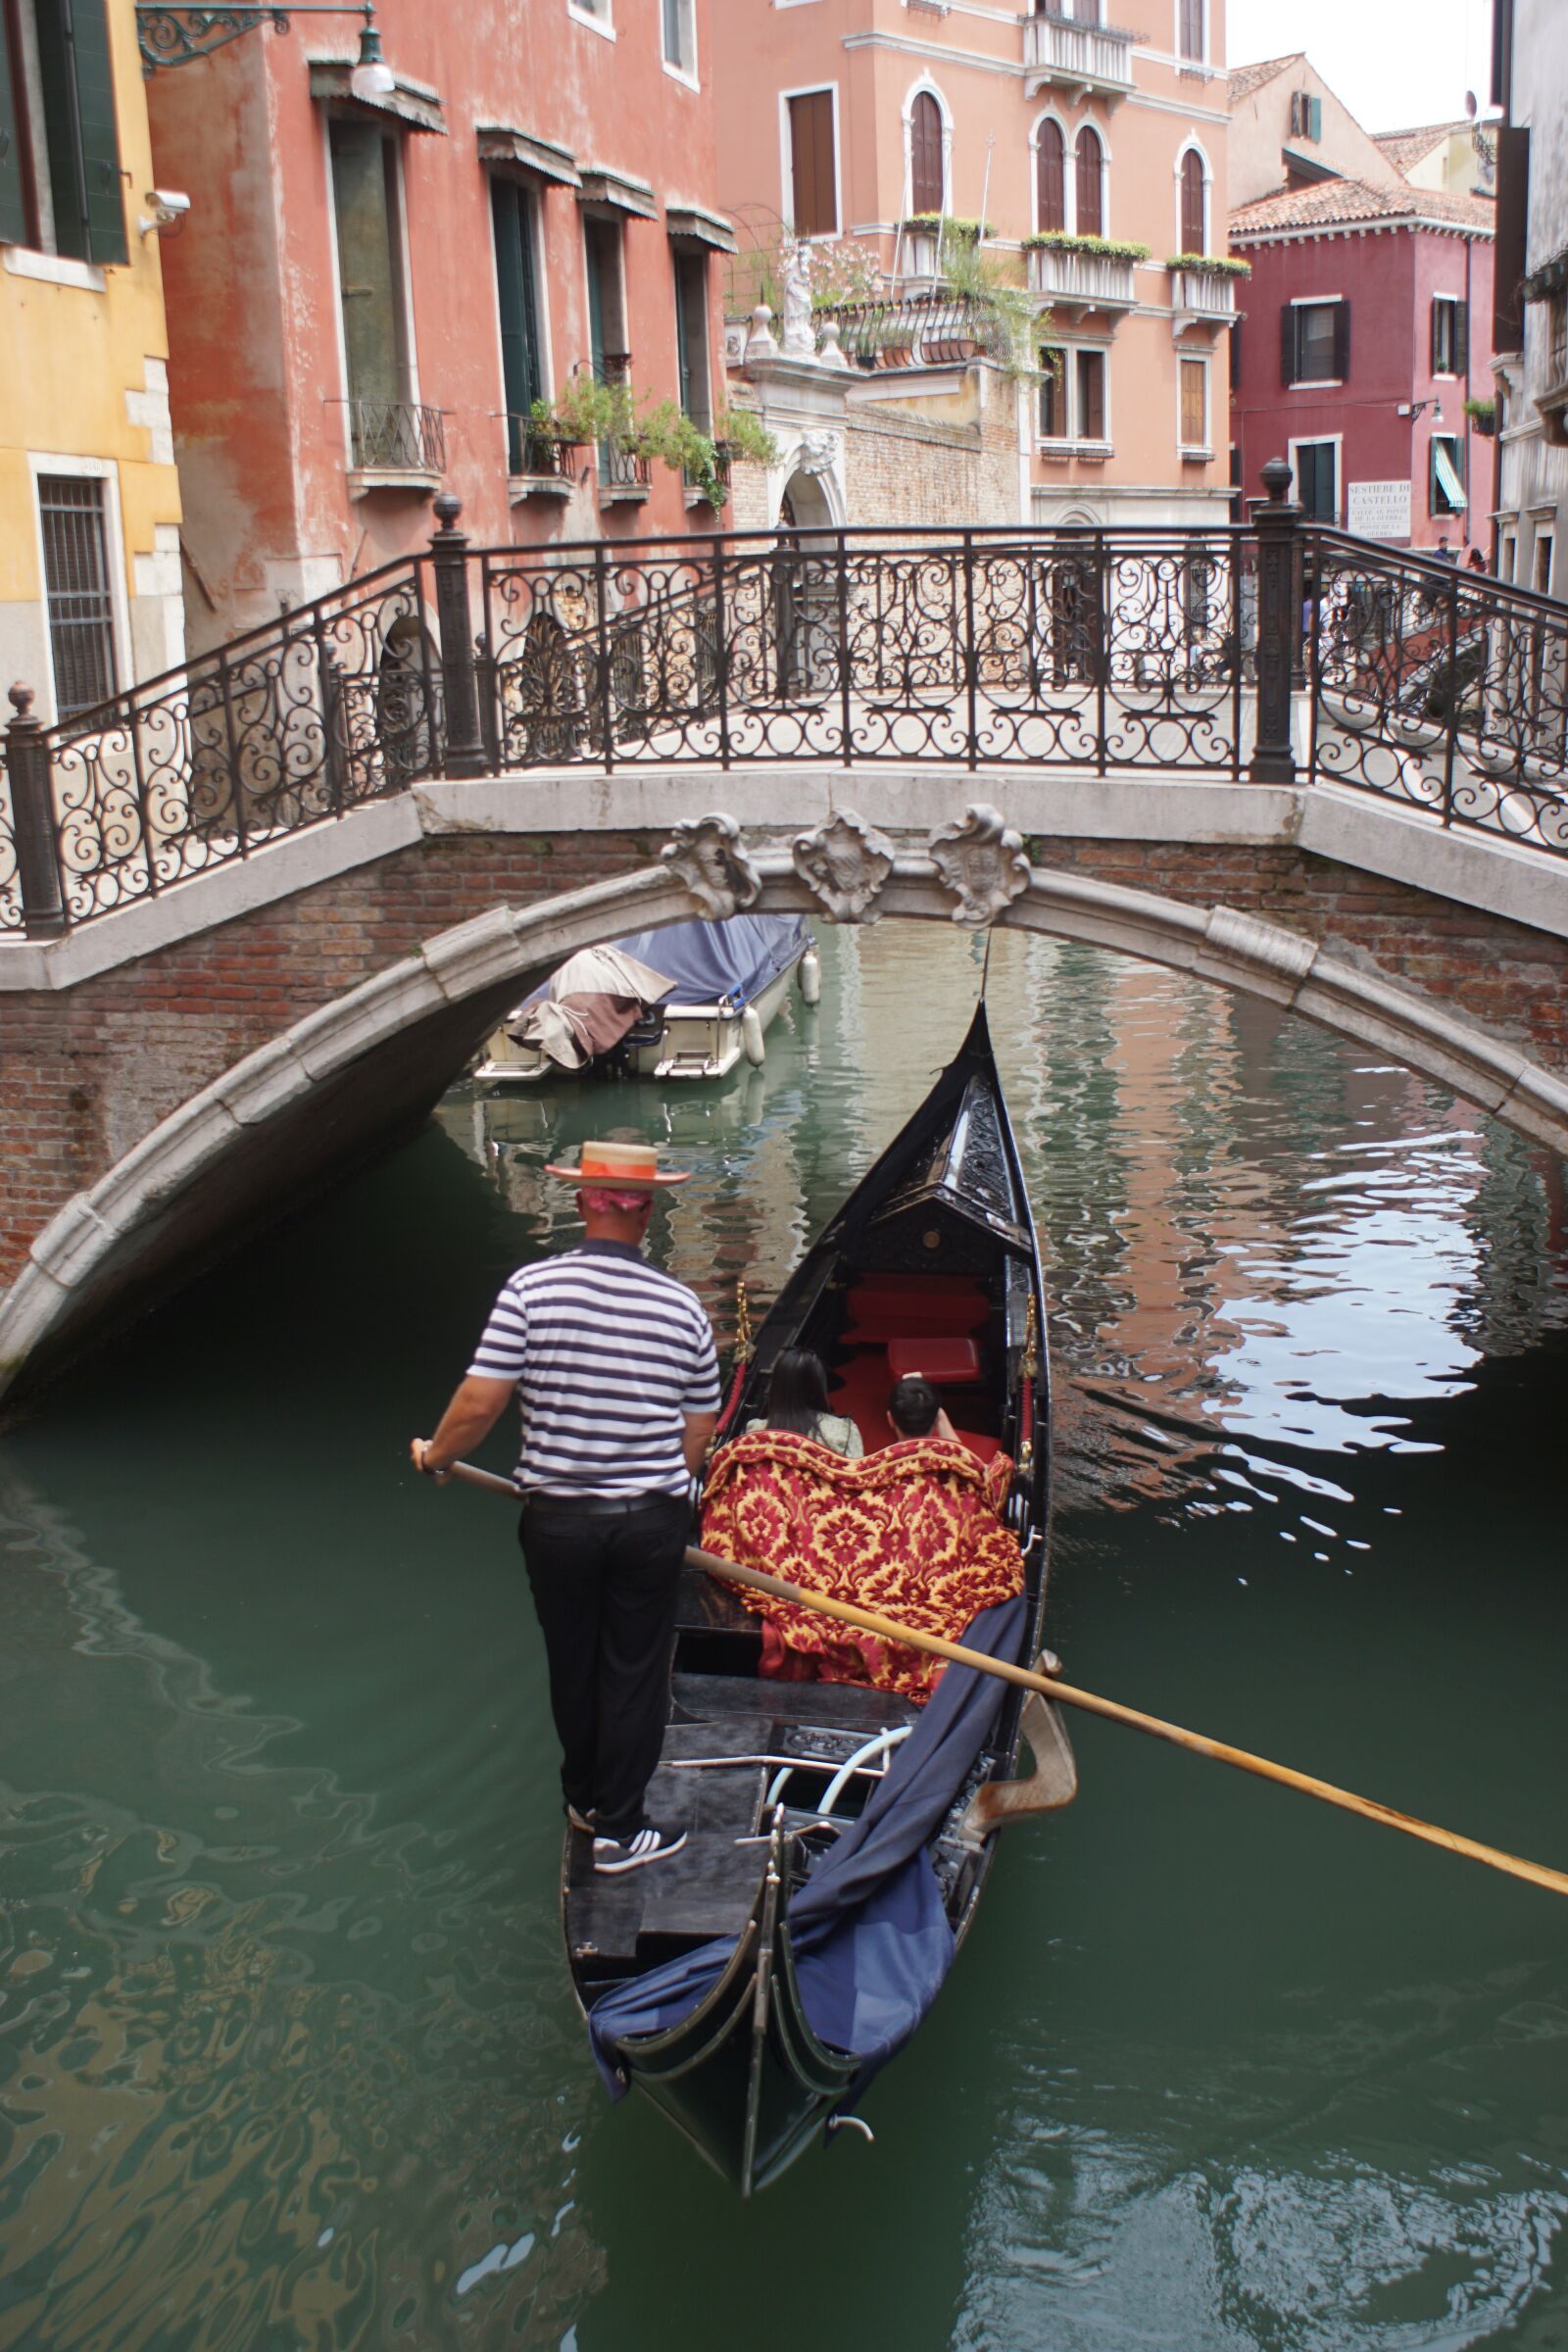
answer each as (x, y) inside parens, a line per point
(1095, 156)
(374, 285)
(1368, 322)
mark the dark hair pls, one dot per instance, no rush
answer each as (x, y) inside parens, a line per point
(914, 1406)
(796, 1391)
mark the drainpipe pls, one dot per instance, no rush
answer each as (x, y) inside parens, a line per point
(1469, 420)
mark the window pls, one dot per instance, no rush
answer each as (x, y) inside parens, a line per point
(680, 35)
(1315, 342)
(1306, 116)
(1317, 478)
(1072, 395)
(1091, 164)
(75, 572)
(60, 186)
(691, 337)
(597, 12)
(1450, 336)
(925, 155)
(1051, 178)
(1508, 558)
(607, 301)
(1194, 204)
(814, 182)
(1445, 474)
(1090, 374)
(1052, 397)
(512, 209)
(1189, 30)
(369, 266)
(1545, 543)
(1194, 404)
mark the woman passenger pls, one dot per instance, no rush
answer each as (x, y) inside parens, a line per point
(796, 1399)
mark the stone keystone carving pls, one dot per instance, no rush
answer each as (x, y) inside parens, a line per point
(845, 864)
(982, 862)
(707, 854)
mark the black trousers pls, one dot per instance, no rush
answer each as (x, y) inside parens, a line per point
(603, 1591)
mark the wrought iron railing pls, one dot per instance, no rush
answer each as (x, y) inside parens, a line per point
(540, 454)
(1097, 652)
(399, 436)
(623, 472)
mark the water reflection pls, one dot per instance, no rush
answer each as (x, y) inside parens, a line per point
(287, 2054)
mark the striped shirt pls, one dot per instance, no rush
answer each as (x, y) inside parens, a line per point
(609, 1354)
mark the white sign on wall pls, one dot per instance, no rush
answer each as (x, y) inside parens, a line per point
(1377, 510)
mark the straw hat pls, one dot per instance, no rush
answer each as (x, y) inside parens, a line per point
(620, 1168)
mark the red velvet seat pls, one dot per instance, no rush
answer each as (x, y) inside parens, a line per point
(951, 1363)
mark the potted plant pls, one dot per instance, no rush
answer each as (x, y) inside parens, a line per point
(1483, 414)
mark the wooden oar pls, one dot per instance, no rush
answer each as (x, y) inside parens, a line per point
(1113, 1711)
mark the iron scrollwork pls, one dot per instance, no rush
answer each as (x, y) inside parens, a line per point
(173, 36)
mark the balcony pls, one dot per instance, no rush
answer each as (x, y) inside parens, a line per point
(540, 463)
(921, 331)
(1067, 276)
(1059, 52)
(624, 478)
(1202, 298)
(396, 445)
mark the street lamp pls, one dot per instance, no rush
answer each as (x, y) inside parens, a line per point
(173, 36)
(1417, 408)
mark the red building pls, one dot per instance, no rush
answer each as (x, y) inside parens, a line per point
(1366, 332)
(387, 262)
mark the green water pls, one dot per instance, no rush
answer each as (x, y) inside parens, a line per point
(287, 2052)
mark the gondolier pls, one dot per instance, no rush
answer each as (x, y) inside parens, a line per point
(612, 1362)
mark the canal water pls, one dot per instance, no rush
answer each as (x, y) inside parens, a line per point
(287, 2053)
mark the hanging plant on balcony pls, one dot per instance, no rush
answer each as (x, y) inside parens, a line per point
(743, 433)
(1103, 249)
(585, 412)
(1483, 414)
(1006, 310)
(947, 224)
(1210, 265)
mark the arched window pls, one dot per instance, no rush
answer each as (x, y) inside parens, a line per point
(1050, 166)
(925, 155)
(1193, 203)
(1090, 202)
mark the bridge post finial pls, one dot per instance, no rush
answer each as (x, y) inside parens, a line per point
(43, 904)
(463, 742)
(1277, 523)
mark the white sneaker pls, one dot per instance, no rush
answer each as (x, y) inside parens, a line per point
(650, 1844)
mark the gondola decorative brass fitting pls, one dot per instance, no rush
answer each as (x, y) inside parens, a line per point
(744, 1342)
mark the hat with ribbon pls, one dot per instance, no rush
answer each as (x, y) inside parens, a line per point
(619, 1168)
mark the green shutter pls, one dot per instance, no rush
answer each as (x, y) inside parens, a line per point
(13, 195)
(83, 146)
(100, 137)
(512, 210)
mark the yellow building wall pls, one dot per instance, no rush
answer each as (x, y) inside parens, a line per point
(75, 382)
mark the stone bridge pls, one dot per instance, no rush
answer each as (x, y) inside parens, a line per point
(264, 913)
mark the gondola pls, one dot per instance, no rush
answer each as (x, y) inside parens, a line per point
(691, 1973)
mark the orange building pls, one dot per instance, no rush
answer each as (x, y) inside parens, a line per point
(390, 258)
(1092, 160)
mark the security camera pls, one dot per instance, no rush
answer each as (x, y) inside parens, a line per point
(166, 208)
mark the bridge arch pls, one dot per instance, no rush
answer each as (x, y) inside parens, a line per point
(345, 1080)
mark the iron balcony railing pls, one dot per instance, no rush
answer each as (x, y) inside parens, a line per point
(540, 454)
(1103, 652)
(922, 331)
(396, 436)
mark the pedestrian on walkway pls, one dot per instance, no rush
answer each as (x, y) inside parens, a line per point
(612, 1362)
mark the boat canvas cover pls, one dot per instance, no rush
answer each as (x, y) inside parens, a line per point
(587, 1004)
(703, 964)
(869, 1931)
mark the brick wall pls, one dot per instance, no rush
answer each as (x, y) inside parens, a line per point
(88, 1072)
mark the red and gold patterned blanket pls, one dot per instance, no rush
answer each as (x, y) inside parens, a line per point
(911, 1531)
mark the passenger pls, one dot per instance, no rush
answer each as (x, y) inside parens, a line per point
(796, 1399)
(914, 1410)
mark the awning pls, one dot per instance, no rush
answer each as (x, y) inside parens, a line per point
(601, 186)
(499, 143)
(704, 228)
(410, 102)
(1448, 481)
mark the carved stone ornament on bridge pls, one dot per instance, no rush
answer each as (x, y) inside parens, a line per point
(982, 862)
(845, 864)
(707, 854)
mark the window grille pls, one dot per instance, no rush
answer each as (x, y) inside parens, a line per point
(75, 569)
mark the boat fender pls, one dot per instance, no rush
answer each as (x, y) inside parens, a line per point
(811, 977)
(752, 1037)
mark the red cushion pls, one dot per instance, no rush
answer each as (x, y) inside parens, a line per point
(899, 1306)
(986, 1448)
(946, 1363)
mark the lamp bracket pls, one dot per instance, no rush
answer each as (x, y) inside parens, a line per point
(175, 36)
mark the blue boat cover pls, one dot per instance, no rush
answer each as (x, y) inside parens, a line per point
(709, 961)
(870, 1934)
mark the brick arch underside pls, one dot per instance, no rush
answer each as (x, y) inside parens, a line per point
(342, 1083)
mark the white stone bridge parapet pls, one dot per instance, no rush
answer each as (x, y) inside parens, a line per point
(256, 917)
